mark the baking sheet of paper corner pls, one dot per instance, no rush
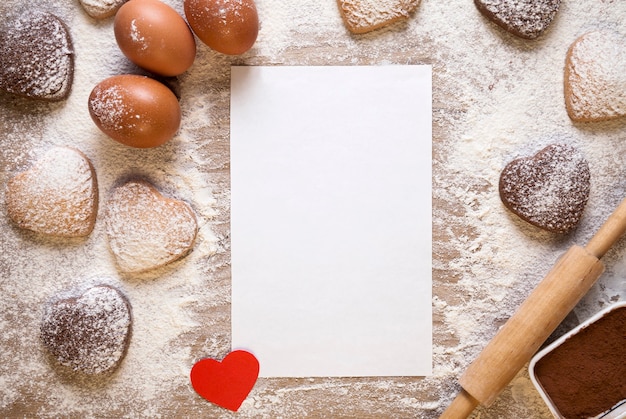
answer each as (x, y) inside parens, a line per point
(331, 219)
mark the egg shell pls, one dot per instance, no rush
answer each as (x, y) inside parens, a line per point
(135, 110)
(226, 26)
(155, 37)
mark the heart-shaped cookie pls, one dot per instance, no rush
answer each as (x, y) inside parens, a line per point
(524, 18)
(147, 230)
(226, 383)
(87, 330)
(101, 9)
(36, 57)
(361, 16)
(595, 80)
(550, 189)
(58, 195)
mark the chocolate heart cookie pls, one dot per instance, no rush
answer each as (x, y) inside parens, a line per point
(524, 18)
(595, 80)
(87, 330)
(36, 57)
(550, 189)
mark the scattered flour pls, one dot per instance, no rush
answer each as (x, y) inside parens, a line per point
(495, 98)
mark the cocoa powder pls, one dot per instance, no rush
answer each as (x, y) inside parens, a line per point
(584, 376)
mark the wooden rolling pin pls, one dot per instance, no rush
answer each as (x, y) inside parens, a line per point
(546, 307)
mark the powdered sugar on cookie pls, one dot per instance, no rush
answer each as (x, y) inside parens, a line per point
(524, 18)
(362, 16)
(147, 230)
(57, 196)
(549, 190)
(100, 9)
(87, 331)
(595, 80)
(37, 57)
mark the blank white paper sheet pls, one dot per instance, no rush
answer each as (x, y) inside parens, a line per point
(331, 219)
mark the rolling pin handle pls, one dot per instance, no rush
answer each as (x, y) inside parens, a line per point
(609, 232)
(461, 407)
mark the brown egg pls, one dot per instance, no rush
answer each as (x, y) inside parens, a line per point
(155, 37)
(227, 26)
(135, 110)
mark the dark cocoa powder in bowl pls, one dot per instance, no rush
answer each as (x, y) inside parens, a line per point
(585, 375)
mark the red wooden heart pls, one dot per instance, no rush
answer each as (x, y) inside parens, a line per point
(226, 383)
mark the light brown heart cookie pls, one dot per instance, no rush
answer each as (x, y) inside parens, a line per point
(101, 9)
(361, 16)
(87, 330)
(36, 57)
(550, 189)
(595, 79)
(58, 195)
(147, 230)
(524, 18)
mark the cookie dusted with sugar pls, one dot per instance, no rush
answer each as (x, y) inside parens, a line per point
(147, 230)
(101, 9)
(524, 18)
(87, 330)
(550, 189)
(36, 57)
(57, 196)
(361, 16)
(595, 79)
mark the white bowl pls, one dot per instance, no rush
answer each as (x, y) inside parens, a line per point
(615, 412)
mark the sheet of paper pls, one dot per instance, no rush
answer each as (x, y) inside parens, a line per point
(331, 219)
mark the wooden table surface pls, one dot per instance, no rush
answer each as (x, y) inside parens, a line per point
(490, 103)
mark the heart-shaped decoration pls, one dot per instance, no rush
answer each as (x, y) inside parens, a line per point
(524, 18)
(146, 229)
(87, 330)
(36, 57)
(549, 190)
(361, 16)
(101, 9)
(58, 195)
(595, 80)
(226, 383)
